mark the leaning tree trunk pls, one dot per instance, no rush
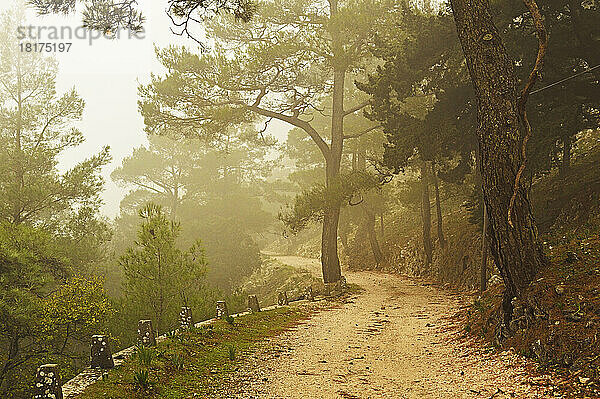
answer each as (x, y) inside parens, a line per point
(438, 208)
(426, 215)
(513, 243)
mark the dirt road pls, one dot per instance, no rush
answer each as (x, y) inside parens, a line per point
(392, 341)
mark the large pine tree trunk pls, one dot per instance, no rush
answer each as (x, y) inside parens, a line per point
(515, 248)
(330, 261)
(426, 214)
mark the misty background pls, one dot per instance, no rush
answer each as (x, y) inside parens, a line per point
(107, 74)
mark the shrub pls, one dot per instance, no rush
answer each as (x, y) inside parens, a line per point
(231, 352)
(145, 355)
(178, 361)
(141, 379)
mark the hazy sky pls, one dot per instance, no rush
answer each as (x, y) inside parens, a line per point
(106, 75)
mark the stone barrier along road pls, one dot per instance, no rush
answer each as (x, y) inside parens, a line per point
(87, 377)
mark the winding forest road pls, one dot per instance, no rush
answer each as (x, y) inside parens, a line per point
(395, 340)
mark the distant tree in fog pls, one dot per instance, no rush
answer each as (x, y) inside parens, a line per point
(160, 277)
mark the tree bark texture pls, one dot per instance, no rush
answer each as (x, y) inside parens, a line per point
(330, 262)
(515, 248)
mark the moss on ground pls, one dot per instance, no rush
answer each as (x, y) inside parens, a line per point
(194, 363)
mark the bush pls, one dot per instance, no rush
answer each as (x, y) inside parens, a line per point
(141, 379)
(145, 355)
(231, 352)
(178, 361)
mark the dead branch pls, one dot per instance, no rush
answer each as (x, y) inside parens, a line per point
(534, 76)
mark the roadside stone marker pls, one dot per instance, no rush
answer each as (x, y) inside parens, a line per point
(253, 303)
(309, 295)
(101, 355)
(282, 299)
(146, 333)
(222, 311)
(343, 282)
(185, 318)
(47, 383)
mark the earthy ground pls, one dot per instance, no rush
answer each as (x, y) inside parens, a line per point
(395, 340)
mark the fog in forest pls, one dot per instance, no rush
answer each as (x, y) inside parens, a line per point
(299, 198)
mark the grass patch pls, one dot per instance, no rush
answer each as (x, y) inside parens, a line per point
(194, 362)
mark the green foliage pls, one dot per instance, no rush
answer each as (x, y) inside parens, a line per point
(109, 17)
(285, 65)
(230, 320)
(51, 233)
(78, 309)
(145, 355)
(160, 276)
(421, 95)
(42, 318)
(231, 352)
(559, 113)
(38, 126)
(311, 205)
(179, 361)
(205, 353)
(293, 62)
(227, 213)
(141, 379)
